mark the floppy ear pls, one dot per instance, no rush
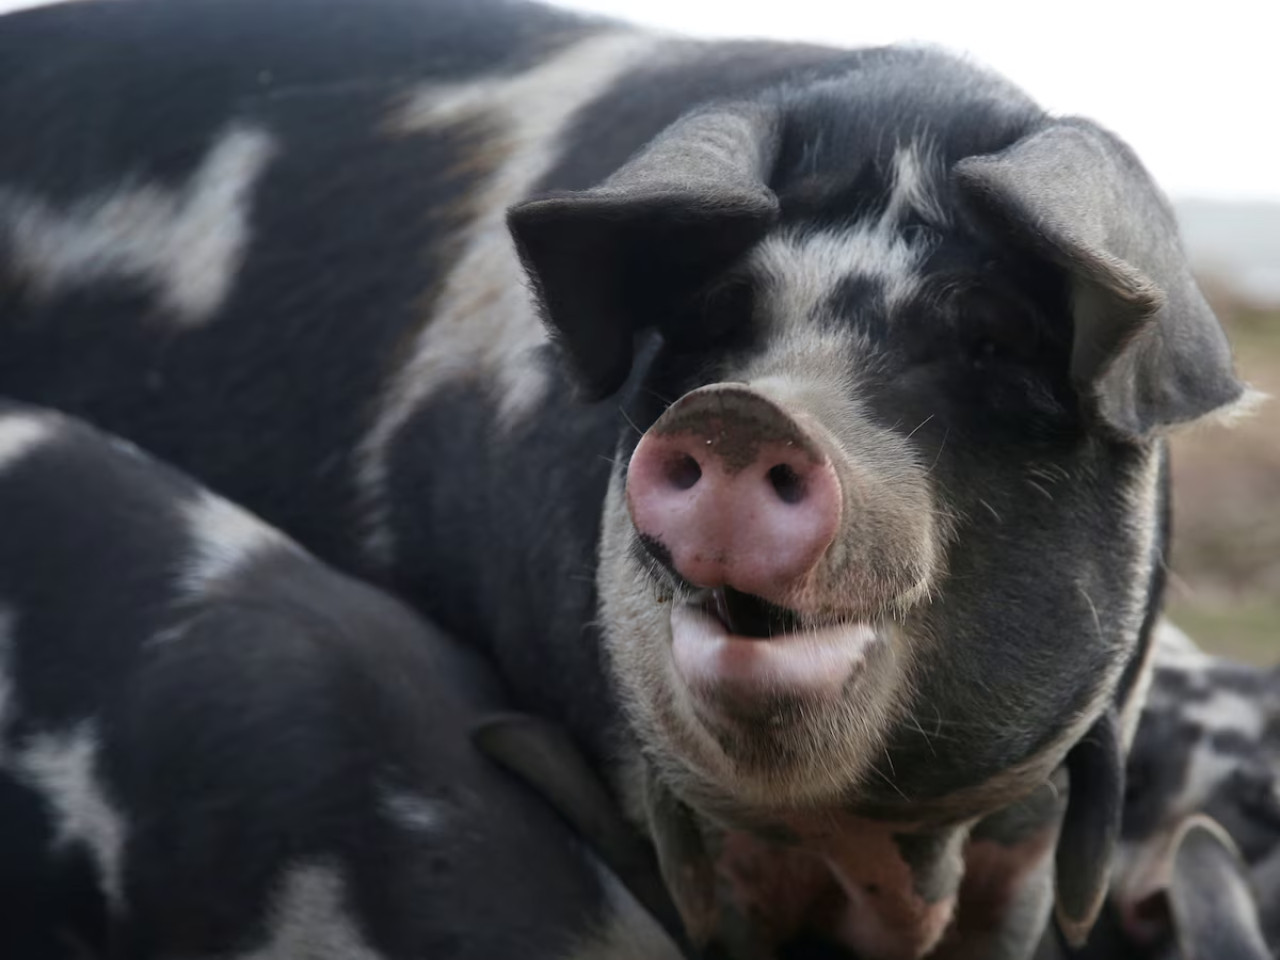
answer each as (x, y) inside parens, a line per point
(608, 262)
(1215, 915)
(1147, 350)
(1090, 828)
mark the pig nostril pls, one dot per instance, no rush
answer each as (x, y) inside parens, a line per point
(683, 471)
(787, 484)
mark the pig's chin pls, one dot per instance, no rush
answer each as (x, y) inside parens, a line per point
(729, 672)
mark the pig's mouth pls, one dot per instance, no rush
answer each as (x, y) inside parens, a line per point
(732, 646)
(745, 615)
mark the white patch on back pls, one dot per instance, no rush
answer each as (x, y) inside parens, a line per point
(225, 538)
(309, 920)
(483, 325)
(22, 433)
(186, 244)
(60, 767)
(412, 812)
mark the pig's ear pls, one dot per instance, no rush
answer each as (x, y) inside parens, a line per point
(1090, 828)
(1214, 911)
(1147, 351)
(608, 262)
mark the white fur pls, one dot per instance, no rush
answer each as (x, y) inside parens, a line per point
(800, 274)
(1233, 414)
(483, 325)
(413, 812)
(225, 538)
(914, 170)
(60, 767)
(21, 434)
(185, 244)
(309, 920)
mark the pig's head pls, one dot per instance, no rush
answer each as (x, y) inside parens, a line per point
(885, 528)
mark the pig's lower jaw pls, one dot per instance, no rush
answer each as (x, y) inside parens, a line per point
(724, 670)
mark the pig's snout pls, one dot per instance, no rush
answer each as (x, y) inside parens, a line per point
(731, 491)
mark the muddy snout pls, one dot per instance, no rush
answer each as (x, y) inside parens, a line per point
(730, 490)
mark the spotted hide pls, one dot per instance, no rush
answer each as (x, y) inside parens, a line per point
(212, 745)
(786, 424)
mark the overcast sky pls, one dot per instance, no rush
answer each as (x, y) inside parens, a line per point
(1193, 86)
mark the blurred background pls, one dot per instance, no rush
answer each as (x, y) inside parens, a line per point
(1194, 88)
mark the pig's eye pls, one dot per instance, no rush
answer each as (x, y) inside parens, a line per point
(719, 313)
(994, 330)
(982, 351)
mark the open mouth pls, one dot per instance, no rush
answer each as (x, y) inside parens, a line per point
(726, 643)
(745, 615)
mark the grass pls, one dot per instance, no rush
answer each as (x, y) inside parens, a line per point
(1225, 589)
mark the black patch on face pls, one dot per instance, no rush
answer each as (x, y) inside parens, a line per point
(859, 301)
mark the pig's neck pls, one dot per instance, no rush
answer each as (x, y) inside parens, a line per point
(497, 529)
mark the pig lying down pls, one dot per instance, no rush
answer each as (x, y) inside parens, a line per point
(213, 745)
(786, 423)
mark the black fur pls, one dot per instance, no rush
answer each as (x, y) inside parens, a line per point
(243, 730)
(494, 527)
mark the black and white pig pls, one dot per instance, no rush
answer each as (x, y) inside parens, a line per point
(787, 422)
(1197, 871)
(212, 745)
(1208, 744)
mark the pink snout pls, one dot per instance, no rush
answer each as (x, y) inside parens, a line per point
(732, 492)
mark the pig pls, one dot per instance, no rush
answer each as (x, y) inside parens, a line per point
(1205, 763)
(786, 423)
(211, 744)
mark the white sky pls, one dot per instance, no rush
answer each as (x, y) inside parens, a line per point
(1193, 86)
